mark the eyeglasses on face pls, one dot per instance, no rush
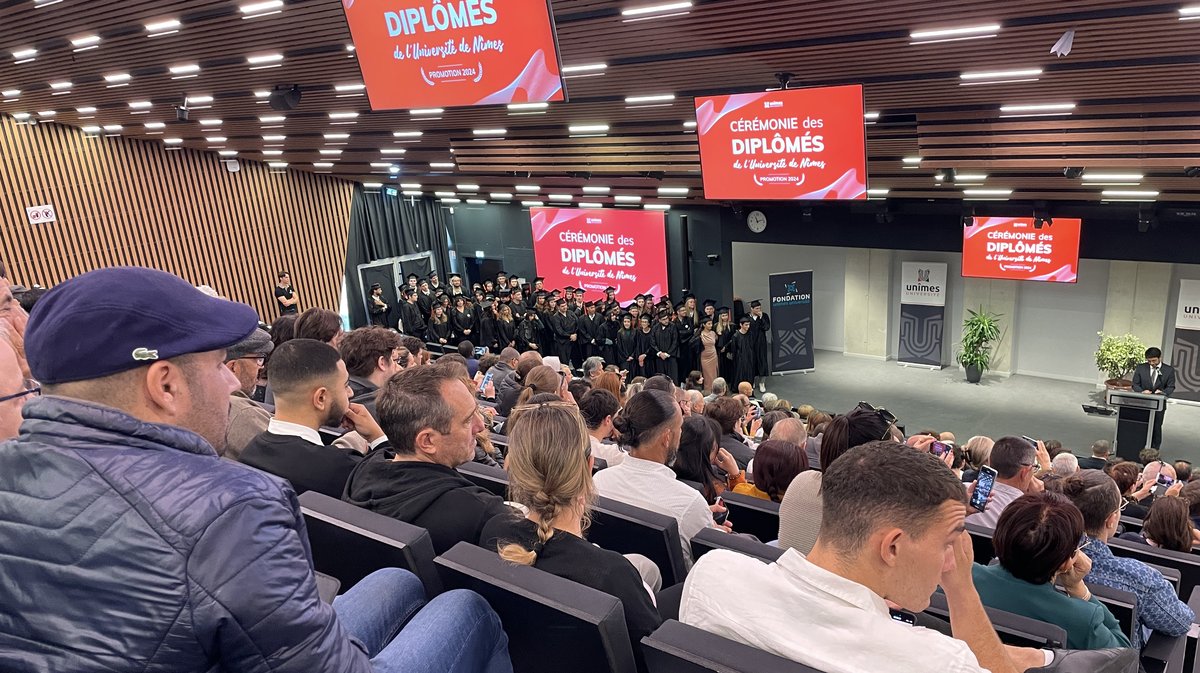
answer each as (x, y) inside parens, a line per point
(30, 388)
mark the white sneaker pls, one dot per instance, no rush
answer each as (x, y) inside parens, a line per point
(762, 387)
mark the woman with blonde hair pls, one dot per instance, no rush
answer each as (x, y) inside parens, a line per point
(977, 450)
(549, 469)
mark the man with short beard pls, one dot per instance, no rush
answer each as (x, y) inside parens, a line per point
(312, 390)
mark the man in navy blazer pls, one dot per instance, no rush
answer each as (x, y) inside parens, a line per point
(1153, 376)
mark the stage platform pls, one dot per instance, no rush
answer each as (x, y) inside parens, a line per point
(997, 406)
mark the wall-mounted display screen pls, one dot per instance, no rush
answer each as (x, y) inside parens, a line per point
(1012, 248)
(594, 249)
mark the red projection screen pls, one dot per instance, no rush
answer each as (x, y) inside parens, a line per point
(798, 144)
(595, 248)
(1011, 248)
(422, 54)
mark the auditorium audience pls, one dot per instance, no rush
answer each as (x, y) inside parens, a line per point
(611, 382)
(1159, 608)
(311, 391)
(650, 425)
(550, 473)
(1183, 470)
(1016, 463)
(184, 562)
(430, 417)
(247, 419)
(1167, 526)
(976, 452)
(696, 402)
(800, 509)
(1099, 458)
(728, 413)
(15, 390)
(702, 463)
(1037, 543)
(371, 358)
(776, 464)
(509, 389)
(1064, 464)
(719, 389)
(1125, 474)
(598, 408)
(320, 324)
(892, 527)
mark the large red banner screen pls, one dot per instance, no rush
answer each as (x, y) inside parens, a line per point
(1012, 248)
(595, 248)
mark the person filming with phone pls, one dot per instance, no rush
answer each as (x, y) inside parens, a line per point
(1016, 463)
(1155, 377)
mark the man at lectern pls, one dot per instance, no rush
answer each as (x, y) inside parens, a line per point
(1155, 377)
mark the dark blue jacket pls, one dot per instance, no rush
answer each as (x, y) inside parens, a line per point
(128, 546)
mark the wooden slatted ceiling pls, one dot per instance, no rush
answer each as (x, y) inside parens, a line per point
(122, 201)
(1125, 52)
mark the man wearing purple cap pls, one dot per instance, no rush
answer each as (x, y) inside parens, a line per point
(129, 545)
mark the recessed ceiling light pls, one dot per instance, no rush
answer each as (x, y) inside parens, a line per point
(160, 28)
(412, 192)
(1148, 195)
(90, 129)
(154, 126)
(198, 100)
(227, 153)
(871, 116)
(476, 202)
(533, 204)
(407, 134)
(216, 139)
(262, 93)
(322, 164)
(441, 164)
(254, 10)
(392, 150)
(588, 128)
(330, 153)
(689, 125)
(141, 105)
(381, 164)
(47, 113)
(446, 195)
(590, 204)
(970, 177)
(265, 61)
(527, 107)
(673, 191)
(24, 55)
(343, 88)
(185, 71)
(277, 164)
(372, 185)
(1037, 110)
(596, 190)
(656, 98)
(274, 139)
(86, 110)
(1112, 177)
(657, 206)
(627, 198)
(501, 195)
(343, 115)
(467, 188)
(878, 191)
(1190, 13)
(337, 136)
(585, 70)
(489, 132)
(560, 197)
(272, 119)
(911, 160)
(954, 34)
(410, 185)
(987, 192)
(173, 141)
(533, 189)
(272, 153)
(11, 94)
(451, 201)
(210, 122)
(657, 11)
(85, 43)
(999, 76)
(59, 86)
(112, 128)
(117, 79)
(426, 111)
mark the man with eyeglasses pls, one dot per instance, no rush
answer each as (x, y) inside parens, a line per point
(1017, 464)
(247, 419)
(15, 389)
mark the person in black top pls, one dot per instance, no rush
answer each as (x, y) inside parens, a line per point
(412, 322)
(742, 348)
(439, 330)
(529, 333)
(424, 297)
(647, 362)
(462, 319)
(285, 294)
(431, 417)
(565, 326)
(376, 307)
(760, 326)
(550, 472)
(311, 390)
(590, 324)
(506, 329)
(626, 347)
(608, 336)
(665, 339)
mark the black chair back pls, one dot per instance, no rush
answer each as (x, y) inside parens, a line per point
(494, 479)
(553, 624)
(981, 540)
(711, 538)
(1187, 564)
(1013, 629)
(1131, 525)
(755, 516)
(679, 648)
(349, 543)
(1122, 605)
(627, 529)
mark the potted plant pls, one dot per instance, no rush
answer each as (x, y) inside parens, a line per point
(979, 331)
(1117, 357)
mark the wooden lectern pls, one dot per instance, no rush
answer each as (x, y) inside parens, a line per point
(1135, 420)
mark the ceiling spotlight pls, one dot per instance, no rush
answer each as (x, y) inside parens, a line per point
(1146, 218)
(944, 175)
(1192, 171)
(1063, 46)
(284, 97)
(1041, 215)
(1072, 172)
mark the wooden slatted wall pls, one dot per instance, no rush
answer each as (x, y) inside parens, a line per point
(122, 202)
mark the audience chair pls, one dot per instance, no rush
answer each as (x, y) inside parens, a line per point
(1191, 656)
(678, 648)
(1013, 629)
(711, 538)
(1187, 564)
(1161, 653)
(499, 440)
(755, 516)
(494, 479)
(349, 543)
(553, 624)
(1131, 525)
(981, 540)
(627, 529)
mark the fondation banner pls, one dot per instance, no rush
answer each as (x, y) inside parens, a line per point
(1185, 355)
(922, 313)
(791, 321)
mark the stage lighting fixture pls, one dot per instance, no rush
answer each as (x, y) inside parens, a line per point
(947, 174)
(284, 97)
(1192, 171)
(968, 216)
(784, 78)
(1041, 216)
(713, 259)
(1073, 173)
(1146, 218)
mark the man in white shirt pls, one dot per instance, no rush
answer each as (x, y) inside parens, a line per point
(1017, 463)
(892, 530)
(598, 406)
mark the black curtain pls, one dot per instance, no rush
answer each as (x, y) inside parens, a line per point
(384, 226)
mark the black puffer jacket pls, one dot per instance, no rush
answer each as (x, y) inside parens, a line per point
(130, 546)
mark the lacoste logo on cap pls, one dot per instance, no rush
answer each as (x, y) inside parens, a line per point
(144, 354)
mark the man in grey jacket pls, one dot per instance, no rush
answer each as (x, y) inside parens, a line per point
(129, 545)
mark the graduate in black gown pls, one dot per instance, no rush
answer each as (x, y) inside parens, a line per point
(608, 337)
(665, 337)
(439, 331)
(741, 346)
(487, 326)
(463, 320)
(760, 327)
(376, 306)
(590, 326)
(506, 328)
(725, 329)
(625, 348)
(645, 348)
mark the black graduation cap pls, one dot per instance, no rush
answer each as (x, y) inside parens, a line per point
(709, 302)
(688, 295)
(476, 286)
(680, 305)
(411, 276)
(745, 319)
(490, 297)
(610, 289)
(408, 292)
(486, 303)
(456, 275)
(755, 304)
(433, 274)
(568, 289)
(555, 293)
(439, 292)
(539, 279)
(502, 272)
(423, 281)
(505, 292)
(723, 310)
(376, 286)
(541, 294)
(626, 314)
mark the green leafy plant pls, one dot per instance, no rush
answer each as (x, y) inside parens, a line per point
(1118, 355)
(980, 331)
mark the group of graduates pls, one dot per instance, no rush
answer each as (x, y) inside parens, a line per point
(643, 338)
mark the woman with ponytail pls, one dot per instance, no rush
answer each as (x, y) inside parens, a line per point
(549, 469)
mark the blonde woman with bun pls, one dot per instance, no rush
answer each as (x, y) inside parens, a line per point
(549, 467)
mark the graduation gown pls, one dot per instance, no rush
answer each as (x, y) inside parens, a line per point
(529, 332)
(488, 332)
(665, 339)
(411, 320)
(625, 347)
(744, 359)
(590, 334)
(563, 325)
(506, 333)
(762, 349)
(462, 322)
(645, 346)
(378, 311)
(439, 331)
(725, 358)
